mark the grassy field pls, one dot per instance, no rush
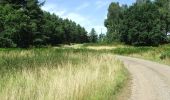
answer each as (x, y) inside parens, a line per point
(159, 54)
(78, 72)
(59, 74)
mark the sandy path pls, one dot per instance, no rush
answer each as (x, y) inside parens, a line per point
(150, 80)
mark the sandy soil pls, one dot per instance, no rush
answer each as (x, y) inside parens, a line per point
(150, 80)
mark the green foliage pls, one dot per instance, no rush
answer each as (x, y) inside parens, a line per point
(113, 21)
(21, 23)
(93, 36)
(7, 43)
(165, 52)
(164, 10)
(40, 70)
(165, 55)
(58, 31)
(168, 39)
(142, 24)
(25, 24)
(102, 38)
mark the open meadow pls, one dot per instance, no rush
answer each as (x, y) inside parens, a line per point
(84, 50)
(59, 74)
(76, 72)
(159, 53)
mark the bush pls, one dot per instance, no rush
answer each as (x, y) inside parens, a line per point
(165, 55)
(39, 42)
(168, 39)
(7, 43)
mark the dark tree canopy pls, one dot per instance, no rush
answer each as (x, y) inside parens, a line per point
(93, 36)
(144, 23)
(113, 21)
(23, 24)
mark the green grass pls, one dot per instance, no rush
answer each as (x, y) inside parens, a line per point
(59, 74)
(132, 50)
(159, 54)
(101, 44)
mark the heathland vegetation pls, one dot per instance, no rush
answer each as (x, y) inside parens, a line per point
(59, 74)
(159, 54)
(85, 71)
(53, 73)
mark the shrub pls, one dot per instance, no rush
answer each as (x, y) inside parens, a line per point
(7, 43)
(165, 55)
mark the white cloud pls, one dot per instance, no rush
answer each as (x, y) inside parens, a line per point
(54, 9)
(82, 6)
(84, 21)
(101, 3)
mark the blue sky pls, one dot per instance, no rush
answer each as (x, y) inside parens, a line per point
(87, 13)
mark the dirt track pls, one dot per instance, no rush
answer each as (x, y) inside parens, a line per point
(150, 80)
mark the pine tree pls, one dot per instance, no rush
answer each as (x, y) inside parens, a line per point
(144, 24)
(14, 3)
(113, 21)
(164, 10)
(93, 36)
(24, 24)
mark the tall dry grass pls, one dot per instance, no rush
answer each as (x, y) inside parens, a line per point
(59, 75)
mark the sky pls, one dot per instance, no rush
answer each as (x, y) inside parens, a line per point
(88, 13)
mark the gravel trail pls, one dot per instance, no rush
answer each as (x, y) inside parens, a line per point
(150, 80)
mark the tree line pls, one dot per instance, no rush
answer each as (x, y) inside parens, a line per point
(145, 23)
(23, 24)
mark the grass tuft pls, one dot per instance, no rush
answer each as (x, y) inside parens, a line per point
(59, 74)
